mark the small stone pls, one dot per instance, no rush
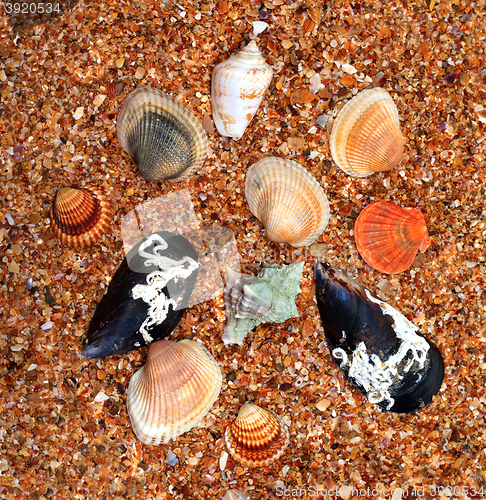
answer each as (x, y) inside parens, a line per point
(140, 73)
(318, 249)
(98, 100)
(101, 397)
(172, 458)
(321, 120)
(120, 62)
(301, 96)
(223, 460)
(347, 68)
(323, 404)
(223, 7)
(78, 113)
(13, 267)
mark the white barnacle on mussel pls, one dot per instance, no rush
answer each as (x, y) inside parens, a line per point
(379, 350)
(266, 298)
(147, 296)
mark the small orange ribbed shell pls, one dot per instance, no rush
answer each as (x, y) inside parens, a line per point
(366, 136)
(173, 391)
(80, 217)
(388, 236)
(257, 437)
(288, 200)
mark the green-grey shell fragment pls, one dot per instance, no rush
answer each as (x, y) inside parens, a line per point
(266, 298)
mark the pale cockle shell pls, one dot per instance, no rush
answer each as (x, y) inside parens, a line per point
(257, 437)
(366, 136)
(163, 137)
(288, 200)
(237, 89)
(173, 391)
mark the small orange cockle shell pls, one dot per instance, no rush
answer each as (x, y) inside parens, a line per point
(257, 437)
(80, 217)
(366, 135)
(388, 236)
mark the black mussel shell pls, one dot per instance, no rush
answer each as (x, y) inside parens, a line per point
(115, 327)
(350, 318)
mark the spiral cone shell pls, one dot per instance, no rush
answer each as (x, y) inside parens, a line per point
(257, 437)
(163, 137)
(388, 236)
(288, 200)
(237, 89)
(80, 217)
(173, 391)
(366, 135)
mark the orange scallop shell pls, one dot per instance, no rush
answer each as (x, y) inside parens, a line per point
(366, 136)
(80, 217)
(257, 437)
(388, 236)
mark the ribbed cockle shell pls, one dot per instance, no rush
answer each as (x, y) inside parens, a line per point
(237, 89)
(388, 236)
(257, 437)
(288, 200)
(366, 135)
(162, 136)
(173, 391)
(80, 217)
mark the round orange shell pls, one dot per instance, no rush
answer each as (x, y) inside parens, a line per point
(257, 437)
(388, 236)
(80, 217)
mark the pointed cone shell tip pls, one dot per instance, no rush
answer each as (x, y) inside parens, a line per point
(366, 136)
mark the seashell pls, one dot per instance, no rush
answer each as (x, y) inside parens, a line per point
(366, 135)
(257, 437)
(375, 346)
(237, 89)
(162, 136)
(235, 495)
(288, 200)
(388, 236)
(80, 217)
(266, 298)
(173, 391)
(146, 298)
